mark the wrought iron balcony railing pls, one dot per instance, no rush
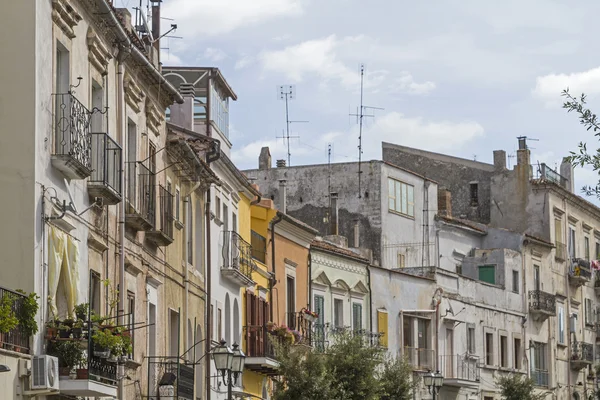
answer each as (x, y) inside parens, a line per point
(140, 196)
(163, 235)
(540, 301)
(15, 339)
(260, 343)
(323, 334)
(298, 322)
(72, 138)
(540, 377)
(183, 386)
(105, 180)
(459, 367)
(237, 258)
(580, 269)
(581, 351)
(421, 359)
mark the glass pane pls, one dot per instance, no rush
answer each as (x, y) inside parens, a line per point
(391, 204)
(391, 188)
(404, 200)
(411, 200)
(398, 198)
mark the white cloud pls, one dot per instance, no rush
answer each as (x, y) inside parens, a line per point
(243, 62)
(548, 87)
(393, 127)
(328, 59)
(170, 59)
(211, 18)
(214, 55)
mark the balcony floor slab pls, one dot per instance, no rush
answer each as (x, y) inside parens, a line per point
(86, 388)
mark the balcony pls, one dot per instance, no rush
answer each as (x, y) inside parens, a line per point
(105, 181)
(540, 377)
(582, 355)
(163, 235)
(541, 304)
(420, 359)
(237, 259)
(551, 175)
(298, 321)
(72, 140)
(580, 272)
(141, 202)
(97, 378)
(15, 339)
(460, 371)
(260, 350)
(560, 253)
(160, 367)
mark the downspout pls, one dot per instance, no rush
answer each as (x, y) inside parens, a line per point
(186, 200)
(568, 257)
(370, 298)
(309, 280)
(278, 218)
(526, 309)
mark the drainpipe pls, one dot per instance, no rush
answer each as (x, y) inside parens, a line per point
(568, 257)
(309, 280)
(186, 200)
(208, 302)
(525, 342)
(278, 218)
(370, 298)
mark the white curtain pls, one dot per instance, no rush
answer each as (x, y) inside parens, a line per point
(63, 265)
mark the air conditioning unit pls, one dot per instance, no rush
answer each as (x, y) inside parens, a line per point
(44, 373)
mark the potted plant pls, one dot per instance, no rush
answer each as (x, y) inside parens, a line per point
(51, 329)
(8, 320)
(104, 341)
(69, 355)
(77, 329)
(26, 313)
(308, 315)
(64, 331)
(81, 311)
(122, 343)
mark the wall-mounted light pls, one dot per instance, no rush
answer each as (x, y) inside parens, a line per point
(4, 368)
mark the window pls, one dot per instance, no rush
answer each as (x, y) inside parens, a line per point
(174, 332)
(63, 69)
(131, 320)
(219, 323)
(382, 327)
(487, 273)
(515, 281)
(219, 107)
(407, 332)
(177, 203)
(517, 356)
(401, 260)
(225, 217)
(597, 254)
(572, 241)
(536, 278)
(561, 324)
(459, 269)
(338, 313)
(503, 351)
(291, 300)
(218, 207)
(423, 341)
(189, 229)
(131, 159)
(586, 241)
(95, 293)
(401, 197)
(234, 222)
(474, 195)
(539, 369)
(471, 338)
(259, 247)
(489, 349)
(589, 313)
(357, 316)
(320, 309)
(97, 118)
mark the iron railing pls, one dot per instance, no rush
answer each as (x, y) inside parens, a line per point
(323, 334)
(260, 343)
(542, 301)
(551, 175)
(140, 190)
(15, 339)
(100, 369)
(561, 250)
(580, 269)
(237, 254)
(106, 162)
(421, 359)
(540, 377)
(298, 322)
(460, 367)
(184, 374)
(259, 247)
(165, 216)
(582, 351)
(72, 130)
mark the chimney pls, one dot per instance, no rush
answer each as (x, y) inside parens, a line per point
(499, 160)
(356, 234)
(333, 219)
(156, 28)
(264, 160)
(523, 152)
(445, 203)
(280, 163)
(282, 196)
(566, 171)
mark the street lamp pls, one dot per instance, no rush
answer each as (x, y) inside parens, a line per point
(230, 363)
(434, 382)
(4, 368)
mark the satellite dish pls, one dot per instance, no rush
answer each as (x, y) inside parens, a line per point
(71, 199)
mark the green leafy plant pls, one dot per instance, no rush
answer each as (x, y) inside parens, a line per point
(27, 311)
(82, 311)
(515, 387)
(113, 297)
(8, 320)
(104, 339)
(69, 353)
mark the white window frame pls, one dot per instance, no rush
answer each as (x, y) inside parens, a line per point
(410, 202)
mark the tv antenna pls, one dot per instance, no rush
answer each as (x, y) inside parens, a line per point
(287, 93)
(360, 114)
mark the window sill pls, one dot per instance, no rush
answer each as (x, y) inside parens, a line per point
(490, 367)
(401, 214)
(563, 345)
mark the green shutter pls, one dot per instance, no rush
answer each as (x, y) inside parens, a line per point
(487, 273)
(356, 316)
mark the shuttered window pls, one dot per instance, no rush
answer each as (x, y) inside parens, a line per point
(382, 327)
(357, 316)
(487, 273)
(320, 309)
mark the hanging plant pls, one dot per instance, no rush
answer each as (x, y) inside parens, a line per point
(8, 320)
(26, 313)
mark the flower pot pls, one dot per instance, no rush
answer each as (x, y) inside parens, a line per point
(64, 333)
(76, 333)
(83, 374)
(309, 318)
(112, 359)
(102, 352)
(64, 371)
(51, 332)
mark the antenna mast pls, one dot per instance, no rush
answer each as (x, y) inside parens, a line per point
(287, 93)
(360, 114)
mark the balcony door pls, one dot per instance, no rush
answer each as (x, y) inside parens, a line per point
(291, 301)
(449, 353)
(536, 278)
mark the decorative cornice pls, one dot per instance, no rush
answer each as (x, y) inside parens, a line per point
(99, 55)
(338, 262)
(154, 119)
(65, 16)
(133, 93)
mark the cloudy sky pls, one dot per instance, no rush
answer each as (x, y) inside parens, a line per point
(462, 77)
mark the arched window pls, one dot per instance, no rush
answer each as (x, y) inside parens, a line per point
(227, 320)
(236, 322)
